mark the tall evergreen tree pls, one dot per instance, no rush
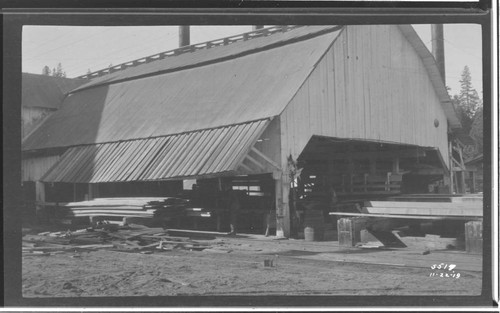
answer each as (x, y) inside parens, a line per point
(476, 131)
(59, 71)
(46, 70)
(467, 101)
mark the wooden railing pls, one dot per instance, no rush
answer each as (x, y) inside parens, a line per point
(368, 184)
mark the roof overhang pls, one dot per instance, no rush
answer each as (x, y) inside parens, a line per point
(198, 154)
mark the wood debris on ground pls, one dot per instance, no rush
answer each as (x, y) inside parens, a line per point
(129, 238)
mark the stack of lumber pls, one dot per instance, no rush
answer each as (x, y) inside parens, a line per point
(476, 198)
(147, 207)
(127, 239)
(438, 209)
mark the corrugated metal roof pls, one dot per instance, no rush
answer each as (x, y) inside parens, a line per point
(247, 88)
(192, 154)
(46, 91)
(214, 54)
(434, 75)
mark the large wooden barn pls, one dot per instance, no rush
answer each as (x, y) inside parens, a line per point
(360, 110)
(42, 95)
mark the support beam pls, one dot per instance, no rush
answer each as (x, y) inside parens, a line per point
(450, 151)
(395, 165)
(248, 169)
(40, 198)
(462, 165)
(328, 154)
(473, 187)
(93, 191)
(257, 163)
(282, 190)
(429, 171)
(265, 157)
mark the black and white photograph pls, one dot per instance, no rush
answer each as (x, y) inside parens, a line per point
(195, 159)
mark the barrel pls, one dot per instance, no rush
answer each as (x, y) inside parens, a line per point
(314, 225)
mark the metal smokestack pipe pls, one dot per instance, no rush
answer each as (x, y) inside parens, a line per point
(183, 36)
(257, 27)
(438, 48)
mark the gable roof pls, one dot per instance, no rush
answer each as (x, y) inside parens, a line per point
(225, 85)
(253, 81)
(434, 75)
(46, 91)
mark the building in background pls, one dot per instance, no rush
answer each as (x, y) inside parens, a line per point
(474, 168)
(42, 95)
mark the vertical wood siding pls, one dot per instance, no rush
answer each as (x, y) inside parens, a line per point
(371, 84)
(34, 168)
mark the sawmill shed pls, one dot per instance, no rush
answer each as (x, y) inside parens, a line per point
(362, 110)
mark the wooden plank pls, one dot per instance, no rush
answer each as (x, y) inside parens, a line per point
(418, 217)
(425, 211)
(381, 192)
(437, 205)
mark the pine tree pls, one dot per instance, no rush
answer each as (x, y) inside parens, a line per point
(59, 71)
(46, 70)
(476, 131)
(467, 102)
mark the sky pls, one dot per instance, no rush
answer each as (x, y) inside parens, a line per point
(83, 48)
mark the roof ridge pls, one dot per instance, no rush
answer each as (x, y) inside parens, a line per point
(225, 41)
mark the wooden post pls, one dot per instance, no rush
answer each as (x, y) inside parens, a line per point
(372, 160)
(473, 187)
(282, 189)
(395, 165)
(451, 166)
(40, 198)
(218, 227)
(93, 191)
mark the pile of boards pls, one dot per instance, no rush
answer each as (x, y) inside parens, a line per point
(466, 210)
(145, 207)
(132, 238)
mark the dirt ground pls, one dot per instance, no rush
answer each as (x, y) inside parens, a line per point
(235, 266)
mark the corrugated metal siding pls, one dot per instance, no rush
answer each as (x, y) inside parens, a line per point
(46, 91)
(243, 89)
(370, 85)
(33, 169)
(210, 55)
(192, 154)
